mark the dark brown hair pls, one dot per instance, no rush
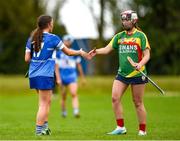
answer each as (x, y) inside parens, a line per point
(37, 34)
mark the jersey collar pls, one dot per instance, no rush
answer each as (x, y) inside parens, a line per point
(45, 32)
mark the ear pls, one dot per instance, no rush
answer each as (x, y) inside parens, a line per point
(134, 21)
(49, 24)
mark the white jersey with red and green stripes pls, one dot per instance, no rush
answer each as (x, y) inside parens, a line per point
(130, 45)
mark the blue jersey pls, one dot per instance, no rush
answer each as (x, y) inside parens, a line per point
(67, 65)
(43, 62)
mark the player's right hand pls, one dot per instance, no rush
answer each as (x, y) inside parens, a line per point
(85, 54)
(92, 53)
(59, 82)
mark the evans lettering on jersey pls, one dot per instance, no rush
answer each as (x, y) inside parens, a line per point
(132, 46)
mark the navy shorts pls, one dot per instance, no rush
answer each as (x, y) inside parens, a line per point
(133, 80)
(42, 83)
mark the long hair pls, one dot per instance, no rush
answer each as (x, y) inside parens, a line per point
(137, 27)
(37, 34)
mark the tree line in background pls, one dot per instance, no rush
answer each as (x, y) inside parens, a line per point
(159, 19)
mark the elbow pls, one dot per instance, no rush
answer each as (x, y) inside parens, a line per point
(69, 53)
(105, 52)
(27, 60)
(148, 56)
(27, 57)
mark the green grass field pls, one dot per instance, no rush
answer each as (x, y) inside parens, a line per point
(18, 106)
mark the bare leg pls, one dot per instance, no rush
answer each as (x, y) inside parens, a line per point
(63, 99)
(137, 95)
(44, 106)
(118, 90)
(75, 102)
(117, 93)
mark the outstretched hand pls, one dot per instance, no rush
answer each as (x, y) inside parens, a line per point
(88, 55)
(92, 53)
(85, 54)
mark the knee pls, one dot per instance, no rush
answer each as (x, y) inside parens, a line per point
(63, 97)
(49, 102)
(44, 105)
(74, 95)
(138, 103)
(115, 99)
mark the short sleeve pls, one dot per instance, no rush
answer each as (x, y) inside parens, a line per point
(114, 42)
(144, 42)
(58, 42)
(54, 54)
(58, 54)
(28, 45)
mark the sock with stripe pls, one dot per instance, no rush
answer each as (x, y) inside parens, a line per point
(45, 125)
(38, 129)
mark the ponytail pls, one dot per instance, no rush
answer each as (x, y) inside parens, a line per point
(37, 39)
(37, 34)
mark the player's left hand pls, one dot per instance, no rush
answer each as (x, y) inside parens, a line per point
(82, 81)
(137, 66)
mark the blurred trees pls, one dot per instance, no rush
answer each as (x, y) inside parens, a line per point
(104, 64)
(159, 19)
(59, 28)
(17, 20)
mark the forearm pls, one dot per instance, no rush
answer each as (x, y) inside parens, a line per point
(146, 57)
(74, 52)
(27, 57)
(57, 71)
(104, 50)
(80, 70)
(71, 52)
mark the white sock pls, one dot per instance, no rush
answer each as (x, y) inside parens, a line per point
(76, 111)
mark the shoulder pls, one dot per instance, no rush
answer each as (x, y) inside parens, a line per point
(117, 36)
(141, 34)
(29, 42)
(120, 34)
(52, 36)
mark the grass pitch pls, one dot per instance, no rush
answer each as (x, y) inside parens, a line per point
(18, 107)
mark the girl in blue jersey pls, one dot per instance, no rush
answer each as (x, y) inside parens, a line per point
(40, 48)
(68, 66)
